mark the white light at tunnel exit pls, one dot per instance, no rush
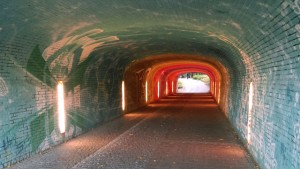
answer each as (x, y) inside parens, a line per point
(250, 112)
(61, 107)
(146, 92)
(158, 89)
(123, 95)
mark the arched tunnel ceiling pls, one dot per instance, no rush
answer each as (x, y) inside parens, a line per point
(136, 29)
(167, 69)
(175, 61)
(90, 44)
(157, 66)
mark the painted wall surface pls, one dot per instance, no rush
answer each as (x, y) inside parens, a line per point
(88, 45)
(29, 119)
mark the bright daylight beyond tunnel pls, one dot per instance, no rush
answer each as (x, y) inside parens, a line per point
(193, 82)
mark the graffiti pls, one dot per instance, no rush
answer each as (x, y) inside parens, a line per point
(236, 25)
(22, 146)
(141, 77)
(60, 59)
(289, 5)
(3, 87)
(64, 55)
(8, 142)
(44, 97)
(296, 6)
(66, 32)
(270, 154)
(11, 147)
(297, 27)
(296, 139)
(73, 98)
(74, 105)
(39, 129)
(69, 59)
(37, 66)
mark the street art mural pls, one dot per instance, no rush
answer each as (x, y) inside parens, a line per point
(3, 87)
(90, 94)
(66, 60)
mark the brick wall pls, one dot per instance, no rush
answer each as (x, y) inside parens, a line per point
(273, 67)
(29, 120)
(88, 45)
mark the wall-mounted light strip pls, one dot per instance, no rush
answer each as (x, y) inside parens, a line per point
(213, 88)
(61, 107)
(123, 95)
(250, 112)
(219, 93)
(146, 92)
(167, 91)
(158, 89)
(172, 87)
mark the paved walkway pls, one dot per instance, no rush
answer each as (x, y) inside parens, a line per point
(182, 131)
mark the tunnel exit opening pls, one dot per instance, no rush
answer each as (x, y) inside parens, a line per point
(193, 82)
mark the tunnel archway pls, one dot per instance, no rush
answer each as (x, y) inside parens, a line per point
(164, 69)
(175, 74)
(92, 46)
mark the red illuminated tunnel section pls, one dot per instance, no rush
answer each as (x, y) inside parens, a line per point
(161, 74)
(167, 78)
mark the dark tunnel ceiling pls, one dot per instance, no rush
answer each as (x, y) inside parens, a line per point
(136, 28)
(160, 41)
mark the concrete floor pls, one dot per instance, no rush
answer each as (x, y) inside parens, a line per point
(182, 131)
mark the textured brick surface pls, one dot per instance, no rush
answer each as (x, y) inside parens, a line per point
(89, 43)
(70, 153)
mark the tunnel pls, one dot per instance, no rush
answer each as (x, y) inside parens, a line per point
(70, 66)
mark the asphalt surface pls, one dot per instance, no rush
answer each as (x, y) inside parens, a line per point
(178, 132)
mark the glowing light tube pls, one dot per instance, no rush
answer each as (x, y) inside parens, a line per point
(123, 95)
(61, 107)
(215, 87)
(146, 92)
(158, 89)
(167, 88)
(172, 87)
(219, 94)
(250, 112)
